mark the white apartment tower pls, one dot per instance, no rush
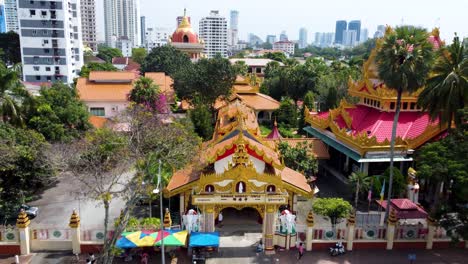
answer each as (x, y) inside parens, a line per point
(122, 19)
(88, 23)
(51, 42)
(213, 31)
(11, 16)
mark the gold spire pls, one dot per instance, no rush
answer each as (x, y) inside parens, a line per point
(351, 218)
(310, 219)
(167, 219)
(392, 218)
(74, 220)
(23, 220)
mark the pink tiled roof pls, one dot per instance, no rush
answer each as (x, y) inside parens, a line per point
(405, 209)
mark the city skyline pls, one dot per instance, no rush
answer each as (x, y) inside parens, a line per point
(290, 18)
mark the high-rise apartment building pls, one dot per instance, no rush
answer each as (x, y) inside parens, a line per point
(2, 17)
(143, 30)
(356, 26)
(88, 23)
(271, 39)
(324, 39)
(283, 36)
(364, 35)
(302, 38)
(213, 30)
(286, 46)
(340, 27)
(50, 38)
(349, 38)
(122, 19)
(233, 33)
(11, 16)
(255, 40)
(156, 37)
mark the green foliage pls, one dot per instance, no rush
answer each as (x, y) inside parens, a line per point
(151, 222)
(144, 92)
(333, 208)
(10, 45)
(13, 95)
(107, 53)
(299, 158)
(165, 59)
(139, 55)
(58, 113)
(277, 56)
(360, 184)
(202, 120)
(265, 131)
(95, 66)
(205, 80)
(399, 182)
(240, 68)
(287, 114)
(309, 100)
(24, 166)
(447, 87)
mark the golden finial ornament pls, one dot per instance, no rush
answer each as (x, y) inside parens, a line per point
(310, 219)
(23, 220)
(167, 219)
(74, 220)
(388, 30)
(351, 218)
(392, 218)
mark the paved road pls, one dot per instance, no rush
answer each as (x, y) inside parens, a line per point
(57, 203)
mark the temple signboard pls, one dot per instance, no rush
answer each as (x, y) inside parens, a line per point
(240, 199)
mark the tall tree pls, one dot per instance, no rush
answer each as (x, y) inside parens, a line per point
(145, 92)
(107, 53)
(58, 113)
(403, 62)
(287, 113)
(299, 158)
(165, 59)
(360, 182)
(334, 208)
(12, 95)
(202, 120)
(9, 43)
(95, 66)
(139, 55)
(446, 90)
(206, 80)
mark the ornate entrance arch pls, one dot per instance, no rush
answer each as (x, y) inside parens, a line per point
(259, 208)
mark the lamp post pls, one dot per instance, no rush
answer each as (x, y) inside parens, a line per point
(158, 189)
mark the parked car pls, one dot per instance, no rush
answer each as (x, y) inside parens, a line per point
(31, 211)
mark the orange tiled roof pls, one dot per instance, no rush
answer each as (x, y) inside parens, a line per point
(97, 121)
(165, 82)
(183, 177)
(103, 76)
(259, 101)
(91, 91)
(294, 178)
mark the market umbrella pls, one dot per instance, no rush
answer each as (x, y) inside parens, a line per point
(123, 242)
(136, 239)
(173, 238)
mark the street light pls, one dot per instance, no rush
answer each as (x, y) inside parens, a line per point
(157, 190)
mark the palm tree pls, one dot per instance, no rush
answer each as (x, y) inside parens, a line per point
(360, 183)
(446, 90)
(12, 95)
(403, 62)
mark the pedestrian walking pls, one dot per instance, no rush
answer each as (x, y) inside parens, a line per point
(300, 250)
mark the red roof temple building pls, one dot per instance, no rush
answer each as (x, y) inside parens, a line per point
(358, 135)
(186, 40)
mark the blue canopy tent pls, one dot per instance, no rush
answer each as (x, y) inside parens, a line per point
(204, 239)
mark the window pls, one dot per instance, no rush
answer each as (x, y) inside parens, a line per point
(405, 105)
(34, 32)
(47, 68)
(46, 51)
(392, 106)
(97, 111)
(36, 68)
(258, 70)
(38, 78)
(43, 13)
(45, 41)
(49, 78)
(413, 106)
(32, 12)
(44, 32)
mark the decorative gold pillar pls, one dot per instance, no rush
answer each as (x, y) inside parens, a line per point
(310, 230)
(270, 218)
(392, 220)
(167, 219)
(75, 232)
(23, 225)
(350, 225)
(431, 226)
(209, 219)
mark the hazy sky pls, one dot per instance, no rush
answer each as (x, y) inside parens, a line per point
(264, 17)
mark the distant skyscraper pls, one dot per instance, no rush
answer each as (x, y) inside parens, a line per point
(340, 27)
(88, 23)
(143, 30)
(349, 38)
(323, 39)
(2, 17)
(122, 19)
(302, 38)
(213, 30)
(233, 28)
(283, 36)
(356, 26)
(50, 38)
(271, 39)
(364, 35)
(11, 16)
(255, 40)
